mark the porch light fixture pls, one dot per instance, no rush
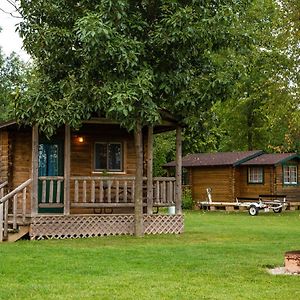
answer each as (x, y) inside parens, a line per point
(80, 139)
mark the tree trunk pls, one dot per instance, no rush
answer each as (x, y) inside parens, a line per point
(178, 175)
(138, 194)
(150, 171)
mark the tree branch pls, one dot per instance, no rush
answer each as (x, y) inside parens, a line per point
(15, 6)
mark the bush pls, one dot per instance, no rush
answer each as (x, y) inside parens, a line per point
(187, 199)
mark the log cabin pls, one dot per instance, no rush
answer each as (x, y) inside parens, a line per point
(81, 183)
(246, 174)
(270, 174)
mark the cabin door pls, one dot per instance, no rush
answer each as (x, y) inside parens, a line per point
(50, 189)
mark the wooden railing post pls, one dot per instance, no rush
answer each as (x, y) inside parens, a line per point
(138, 193)
(67, 170)
(150, 171)
(34, 170)
(178, 191)
(1, 222)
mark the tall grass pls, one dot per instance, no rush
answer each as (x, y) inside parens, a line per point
(220, 256)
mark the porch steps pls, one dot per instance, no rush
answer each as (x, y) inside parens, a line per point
(14, 235)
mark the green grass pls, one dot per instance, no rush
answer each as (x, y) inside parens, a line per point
(220, 256)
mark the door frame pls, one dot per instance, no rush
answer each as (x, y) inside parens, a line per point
(56, 209)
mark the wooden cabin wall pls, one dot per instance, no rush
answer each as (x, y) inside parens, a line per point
(292, 191)
(19, 160)
(4, 155)
(255, 189)
(82, 155)
(21, 157)
(217, 178)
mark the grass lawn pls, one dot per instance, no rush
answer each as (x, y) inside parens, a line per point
(220, 256)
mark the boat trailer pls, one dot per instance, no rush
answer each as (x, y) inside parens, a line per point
(266, 202)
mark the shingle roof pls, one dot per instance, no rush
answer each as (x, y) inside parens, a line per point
(216, 159)
(270, 159)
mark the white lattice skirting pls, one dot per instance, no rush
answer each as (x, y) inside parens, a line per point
(78, 226)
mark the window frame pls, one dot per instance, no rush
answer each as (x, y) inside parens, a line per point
(284, 177)
(250, 180)
(111, 171)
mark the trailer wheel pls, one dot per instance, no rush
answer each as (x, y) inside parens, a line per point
(277, 210)
(253, 210)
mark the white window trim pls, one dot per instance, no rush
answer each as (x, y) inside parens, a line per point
(286, 180)
(260, 179)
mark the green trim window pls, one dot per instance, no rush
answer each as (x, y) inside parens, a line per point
(255, 175)
(108, 157)
(290, 174)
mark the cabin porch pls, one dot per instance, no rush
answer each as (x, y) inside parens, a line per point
(99, 206)
(78, 202)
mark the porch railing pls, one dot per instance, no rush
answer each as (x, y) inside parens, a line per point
(15, 201)
(50, 191)
(108, 191)
(163, 191)
(102, 191)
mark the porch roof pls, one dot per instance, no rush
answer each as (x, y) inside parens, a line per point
(271, 159)
(216, 159)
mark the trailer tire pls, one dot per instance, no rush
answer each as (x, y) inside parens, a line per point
(277, 210)
(253, 210)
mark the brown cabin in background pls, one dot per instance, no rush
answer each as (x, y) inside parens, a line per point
(241, 174)
(82, 183)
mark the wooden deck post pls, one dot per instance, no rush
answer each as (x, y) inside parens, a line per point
(178, 188)
(138, 194)
(34, 170)
(67, 170)
(150, 171)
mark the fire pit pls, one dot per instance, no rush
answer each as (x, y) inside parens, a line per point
(292, 261)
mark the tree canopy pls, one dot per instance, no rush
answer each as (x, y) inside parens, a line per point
(128, 60)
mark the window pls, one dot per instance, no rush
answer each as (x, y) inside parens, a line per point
(255, 175)
(108, 157)
(290, 175)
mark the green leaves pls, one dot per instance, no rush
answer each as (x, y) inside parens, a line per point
(128, 60)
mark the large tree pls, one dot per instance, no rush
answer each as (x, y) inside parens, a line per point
(129, 59)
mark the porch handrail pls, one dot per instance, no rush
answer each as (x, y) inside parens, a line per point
(118, 191)
(15, 191)
(3, 184)
(102, 178)
(4, 208)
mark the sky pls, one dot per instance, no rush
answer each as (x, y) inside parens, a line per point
(9, 39)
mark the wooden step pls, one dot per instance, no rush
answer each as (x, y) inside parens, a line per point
(16, 235)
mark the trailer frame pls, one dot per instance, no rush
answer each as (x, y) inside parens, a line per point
(266, 202)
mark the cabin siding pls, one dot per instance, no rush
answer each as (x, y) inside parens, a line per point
(292, 191)
(82, 154)
(217, 178)
(82, 159)
(21, 158)
(4, 148)
(254, 189)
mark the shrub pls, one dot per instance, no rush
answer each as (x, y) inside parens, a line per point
(187, 199)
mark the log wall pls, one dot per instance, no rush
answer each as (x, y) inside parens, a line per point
(82, 154)
(220, 179)
(292, 191)
(4, 154)
(246, 189)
